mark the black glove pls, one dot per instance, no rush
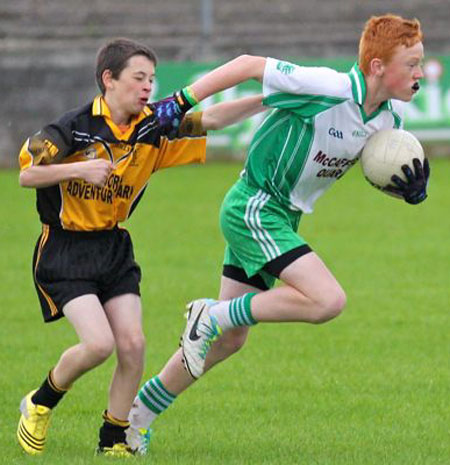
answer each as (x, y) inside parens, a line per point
(170, 111)
(414, 190)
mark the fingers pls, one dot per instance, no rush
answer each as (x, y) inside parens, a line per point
(418, 169)
(413, 190)
(107, 169)
(402, 185)
(394, 190)
(97, 171)
(408, 173)
(170, 111)
(165, 110)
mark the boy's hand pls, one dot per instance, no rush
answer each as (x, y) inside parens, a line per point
(170, 111)
(414, 190)
(95, 171)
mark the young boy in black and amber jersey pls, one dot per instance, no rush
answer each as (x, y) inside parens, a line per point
(90, 170)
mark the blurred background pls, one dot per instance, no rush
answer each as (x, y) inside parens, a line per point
(48, 49)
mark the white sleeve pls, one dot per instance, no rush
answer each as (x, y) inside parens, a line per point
(282, 76)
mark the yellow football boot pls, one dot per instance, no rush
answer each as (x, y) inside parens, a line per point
(120, 450)
(33, 425)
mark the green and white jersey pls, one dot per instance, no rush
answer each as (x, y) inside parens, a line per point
(315, 133)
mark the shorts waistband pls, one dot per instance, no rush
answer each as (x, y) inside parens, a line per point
(84, 234)
(242, 185)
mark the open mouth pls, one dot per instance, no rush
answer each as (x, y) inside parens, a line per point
(415, 87)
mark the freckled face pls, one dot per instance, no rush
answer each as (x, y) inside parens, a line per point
(402, 74)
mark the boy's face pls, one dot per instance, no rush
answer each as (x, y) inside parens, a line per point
(402, 73)
(132, 89)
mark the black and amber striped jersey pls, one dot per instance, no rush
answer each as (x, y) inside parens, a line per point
(137, 152)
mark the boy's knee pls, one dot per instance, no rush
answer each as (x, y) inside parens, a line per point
(100, 349)
(330, 307)
(131, 347)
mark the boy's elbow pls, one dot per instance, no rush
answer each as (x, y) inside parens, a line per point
(210, 122)
(24, 179)
(253, 64)
(214, 125)
(245, 58)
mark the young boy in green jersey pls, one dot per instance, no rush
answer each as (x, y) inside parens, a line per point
(320, 123)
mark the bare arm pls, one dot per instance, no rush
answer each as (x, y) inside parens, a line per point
(224, 114)
(169, 111)
(92, 171)
(240, 69)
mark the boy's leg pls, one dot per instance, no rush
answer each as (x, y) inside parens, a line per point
(96, 343)
(175, 377)
(125, 316)
(310, 294)
(87, 316)
(159, 392)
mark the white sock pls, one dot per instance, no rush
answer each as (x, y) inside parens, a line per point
(220, 311)
(140, 416)
(233, 313)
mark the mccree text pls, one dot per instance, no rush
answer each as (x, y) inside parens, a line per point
(334, 167)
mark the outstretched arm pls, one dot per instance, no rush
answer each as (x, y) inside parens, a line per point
(226, 113)
(234, 72)
(170, 110)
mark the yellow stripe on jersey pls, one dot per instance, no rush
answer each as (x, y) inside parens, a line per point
(42, 242)
(25, 157)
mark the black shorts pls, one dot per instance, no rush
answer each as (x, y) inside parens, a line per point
(69, 264)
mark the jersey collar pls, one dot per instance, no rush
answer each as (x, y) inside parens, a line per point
(359, 92)
(359, 89)
(100, 108)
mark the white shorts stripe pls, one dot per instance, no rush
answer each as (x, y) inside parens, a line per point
(268, 237)
(253, 222)
(252, 205)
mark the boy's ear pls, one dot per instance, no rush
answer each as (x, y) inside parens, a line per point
(376, 67)
(107, 79)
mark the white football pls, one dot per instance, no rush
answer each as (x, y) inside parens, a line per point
(384, 154)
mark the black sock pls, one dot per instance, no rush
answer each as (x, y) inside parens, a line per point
(48, 394)
(112, 431)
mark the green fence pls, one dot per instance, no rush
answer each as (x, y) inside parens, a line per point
(427, 116)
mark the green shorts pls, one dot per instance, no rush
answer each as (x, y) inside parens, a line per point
(257, 230)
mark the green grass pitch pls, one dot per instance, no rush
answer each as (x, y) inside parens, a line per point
(371, 387)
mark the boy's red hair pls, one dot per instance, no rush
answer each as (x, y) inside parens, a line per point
(383, 34)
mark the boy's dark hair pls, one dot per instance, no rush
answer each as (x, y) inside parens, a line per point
(115, 55)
